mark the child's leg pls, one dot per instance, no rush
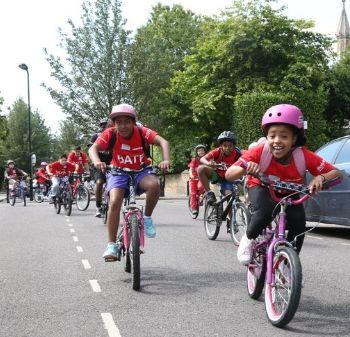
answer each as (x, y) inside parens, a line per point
(150, 184)
(263, 207)
(205, 173)
(296, 224)
(116, 196)
(193, 194)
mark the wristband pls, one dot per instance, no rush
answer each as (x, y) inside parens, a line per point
(324, 178)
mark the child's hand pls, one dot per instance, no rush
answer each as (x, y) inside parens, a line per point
(316, 184)
(164, 165)
(212, 164)
(253, 168)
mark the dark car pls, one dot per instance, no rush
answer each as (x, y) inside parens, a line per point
(334, 204)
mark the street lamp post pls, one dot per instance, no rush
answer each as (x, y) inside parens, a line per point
(23, 66)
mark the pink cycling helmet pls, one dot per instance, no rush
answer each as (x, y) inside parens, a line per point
(123, 110)
(43, 163)
(284, 114)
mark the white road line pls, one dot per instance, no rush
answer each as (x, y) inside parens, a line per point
(95, 286)
(314, 237)
(72, 230)
(75, 238)
(70, 224)
(345, 244)
(110, 326)
(79, 249)
(86, 264)
(67, 219)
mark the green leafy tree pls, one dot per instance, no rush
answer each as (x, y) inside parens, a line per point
(156, 54)
(92, 78)
(17, 142)
(3, 135)
(251, 48)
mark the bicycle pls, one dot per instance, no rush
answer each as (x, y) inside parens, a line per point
(19, 191)
(200, 200)
(104, 204)
(131, 238)
(235, 213)
(81, 193)
(275, 263)
(64, 197)
(40, 191)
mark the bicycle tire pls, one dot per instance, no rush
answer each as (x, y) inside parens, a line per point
(239, 222)
(105, 212)
(67, 203)
(38, 195)
(57, 205)
(256, 273)
(12, 199)
(83, 203)
(24, 198)
(193, 215)
(290, 280)
(211, 219)
(135, 252)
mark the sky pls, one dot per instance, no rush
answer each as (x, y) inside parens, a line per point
(29, 26)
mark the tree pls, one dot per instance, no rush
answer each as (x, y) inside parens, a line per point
(17, 141)
(92, 78)
(157, 52)
(251, 48)
(3, 135)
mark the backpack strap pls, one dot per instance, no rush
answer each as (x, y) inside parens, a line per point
(298, 157)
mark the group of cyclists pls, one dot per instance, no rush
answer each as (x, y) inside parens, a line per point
(121, 142)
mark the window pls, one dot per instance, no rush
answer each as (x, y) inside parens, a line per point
(328, 152)
(344, 154)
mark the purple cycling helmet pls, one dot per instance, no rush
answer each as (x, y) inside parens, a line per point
(123, 110)
(43, 163)
(283, 114)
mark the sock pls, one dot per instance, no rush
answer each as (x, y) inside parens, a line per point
(98, 204)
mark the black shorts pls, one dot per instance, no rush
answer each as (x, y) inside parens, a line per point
(99, 175)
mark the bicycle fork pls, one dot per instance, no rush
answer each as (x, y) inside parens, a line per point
(127, 229)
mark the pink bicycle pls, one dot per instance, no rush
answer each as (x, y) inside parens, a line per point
(131, 238)
(275, 262)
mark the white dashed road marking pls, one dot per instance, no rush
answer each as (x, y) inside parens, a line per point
(95, 286)
(110, 326)
(67, 220)
(79, 249)
(72, 230)
(346, 244)
(86, 264)
(70, 224)
(75, 238)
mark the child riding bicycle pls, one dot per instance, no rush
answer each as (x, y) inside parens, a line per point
(282, 155)
(128, 153)
(196, 186)
(215, 164)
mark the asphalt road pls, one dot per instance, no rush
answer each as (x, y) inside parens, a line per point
(54, 282)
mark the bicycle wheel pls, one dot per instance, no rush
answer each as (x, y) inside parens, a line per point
(239, 222)
(83, 198)
(57, 204)
(135, 252)
(38, 195)
(212, 222)
(282, 296)
(12, 198)
(105, 207)
(256, 272)
(24, 198)
(67, 203)
(193, 215)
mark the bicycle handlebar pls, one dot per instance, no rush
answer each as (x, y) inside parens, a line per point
(275, 184)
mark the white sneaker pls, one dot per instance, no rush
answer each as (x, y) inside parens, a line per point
(244, 252)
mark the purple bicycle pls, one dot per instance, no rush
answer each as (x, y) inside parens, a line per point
(275, 262)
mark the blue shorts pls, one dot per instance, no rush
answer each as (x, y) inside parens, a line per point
(122, 180)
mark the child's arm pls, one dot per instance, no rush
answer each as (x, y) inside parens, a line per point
(317, 181)
(164, 145)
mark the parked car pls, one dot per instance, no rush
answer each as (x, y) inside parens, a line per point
(334, 204)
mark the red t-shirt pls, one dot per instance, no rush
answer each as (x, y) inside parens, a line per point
(61, 170)
(41, 175)
(193, 164)
(80, 160)
(314, 164)
(219, 157)
(127, 153)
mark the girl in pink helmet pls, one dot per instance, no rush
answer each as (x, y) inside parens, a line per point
(283, 126)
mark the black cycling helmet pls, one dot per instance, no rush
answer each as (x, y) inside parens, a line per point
(227, 135)
(103, 122)
(200, 146)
